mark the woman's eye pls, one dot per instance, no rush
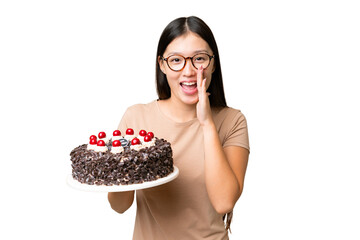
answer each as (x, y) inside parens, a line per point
(175, 60)
(200, 58)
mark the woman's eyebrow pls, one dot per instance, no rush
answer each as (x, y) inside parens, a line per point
(195, 52)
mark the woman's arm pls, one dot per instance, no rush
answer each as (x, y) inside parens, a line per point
(121, 201)
(224, 171)
(224, 167)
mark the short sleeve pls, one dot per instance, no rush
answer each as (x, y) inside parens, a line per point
(237, 133)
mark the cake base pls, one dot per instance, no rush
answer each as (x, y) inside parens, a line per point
(121, 188)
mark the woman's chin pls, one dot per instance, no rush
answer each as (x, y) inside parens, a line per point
(190, 100)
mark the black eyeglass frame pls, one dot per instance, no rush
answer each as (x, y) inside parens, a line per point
(186, 58)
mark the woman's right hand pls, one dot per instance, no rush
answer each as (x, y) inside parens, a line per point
(121, 201)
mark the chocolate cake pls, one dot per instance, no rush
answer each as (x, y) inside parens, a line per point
(137, 161)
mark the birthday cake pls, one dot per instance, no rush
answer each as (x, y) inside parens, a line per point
(122, 160)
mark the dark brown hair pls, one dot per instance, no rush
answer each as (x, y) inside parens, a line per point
(179, 27)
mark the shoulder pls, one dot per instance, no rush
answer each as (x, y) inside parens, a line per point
(227, 115)
(137, 115)
(231, 125)
(140, 109)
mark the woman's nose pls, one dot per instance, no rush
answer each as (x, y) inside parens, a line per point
(189, 69)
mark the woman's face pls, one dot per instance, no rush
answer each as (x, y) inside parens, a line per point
(183, 83)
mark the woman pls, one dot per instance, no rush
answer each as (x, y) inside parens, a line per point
(209, 141)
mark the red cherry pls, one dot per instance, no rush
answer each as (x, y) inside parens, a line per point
(116, 133)
(142, 133)
(135, 141)
(93, 141)
(101, 143)
(93, 137)
(151, 134)
(147, 138)
(102, 134)
(116, 143)
(129, 131)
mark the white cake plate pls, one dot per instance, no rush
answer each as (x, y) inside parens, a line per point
(121, 188)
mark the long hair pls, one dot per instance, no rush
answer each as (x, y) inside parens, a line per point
(179, 27)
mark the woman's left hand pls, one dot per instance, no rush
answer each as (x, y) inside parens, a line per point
(203, 110)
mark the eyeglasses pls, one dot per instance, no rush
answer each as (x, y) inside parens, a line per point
(178, 62)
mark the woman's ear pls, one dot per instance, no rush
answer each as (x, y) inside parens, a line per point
(161, 65)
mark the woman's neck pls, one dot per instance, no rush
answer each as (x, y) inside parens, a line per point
(177, 110)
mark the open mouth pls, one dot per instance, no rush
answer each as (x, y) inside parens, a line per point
(188, 85)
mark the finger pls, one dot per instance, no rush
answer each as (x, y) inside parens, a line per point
(201, 89)
(203, 84)
(200, 77)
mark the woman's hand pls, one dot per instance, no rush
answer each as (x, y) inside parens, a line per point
(121, 201)
(203, 110)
